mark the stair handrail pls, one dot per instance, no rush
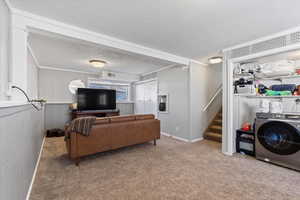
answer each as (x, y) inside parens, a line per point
(213, 98)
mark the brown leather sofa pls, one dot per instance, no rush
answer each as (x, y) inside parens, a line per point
(110, 133)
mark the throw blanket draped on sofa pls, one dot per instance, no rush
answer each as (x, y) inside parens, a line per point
(82, 125)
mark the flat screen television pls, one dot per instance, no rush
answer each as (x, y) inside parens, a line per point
(96, 99)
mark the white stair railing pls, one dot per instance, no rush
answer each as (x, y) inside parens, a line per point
(219, 90)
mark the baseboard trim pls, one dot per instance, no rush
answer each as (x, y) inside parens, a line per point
(165, 134)
(227, 153)
(197, 140)
(175, 137)
(180, 138)
(35, 169)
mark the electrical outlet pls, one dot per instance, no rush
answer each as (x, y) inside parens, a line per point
(177, 128)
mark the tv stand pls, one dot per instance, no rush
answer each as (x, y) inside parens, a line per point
(96, 113)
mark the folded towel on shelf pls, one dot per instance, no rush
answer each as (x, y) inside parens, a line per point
(278, 93)
(284, 87)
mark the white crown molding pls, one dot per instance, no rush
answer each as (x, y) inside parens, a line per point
(201, 64)
(66, 70)
(104, 82)
(262, 39)
(127, 73)
(198, 62)
(82, 72)
(145, 81)
(9, 5)
(32, 21)
(159, 70)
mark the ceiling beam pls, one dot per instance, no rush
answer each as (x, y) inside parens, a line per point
(32, 21)
(159, 70)
(67, 70)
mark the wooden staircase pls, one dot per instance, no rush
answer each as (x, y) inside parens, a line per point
(214, 130)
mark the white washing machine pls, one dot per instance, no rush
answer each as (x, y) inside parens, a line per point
(277, 139)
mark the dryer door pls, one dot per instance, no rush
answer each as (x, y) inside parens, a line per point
(279, 137)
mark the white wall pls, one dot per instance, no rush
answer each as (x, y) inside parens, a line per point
(190, 90)
(58, 114)
(21, 136)
(21, 127)
(53, 84)
(4, 48)
(204, 82)
(175, 82)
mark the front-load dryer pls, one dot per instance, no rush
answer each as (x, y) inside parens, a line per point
(277, 139)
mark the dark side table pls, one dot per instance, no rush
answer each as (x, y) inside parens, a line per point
(246, 137)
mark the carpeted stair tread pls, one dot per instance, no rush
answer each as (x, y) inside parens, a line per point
(216, 128)
(217, 122)
(213, 136)
(214, 131)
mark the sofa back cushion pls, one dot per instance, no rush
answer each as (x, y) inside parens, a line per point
(127, 118)
(143, 117)
(101, 120)
(122, 119)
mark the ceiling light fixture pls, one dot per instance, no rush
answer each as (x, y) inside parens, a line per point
(97, 63)
(215, 60)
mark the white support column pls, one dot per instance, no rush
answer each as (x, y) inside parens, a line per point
(226, 110)
(18, 61)
(227, 131)
(224, 104)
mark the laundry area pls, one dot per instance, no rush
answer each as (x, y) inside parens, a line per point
(266, 109)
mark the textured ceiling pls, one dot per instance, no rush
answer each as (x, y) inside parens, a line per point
(65, 53)
(190, 28)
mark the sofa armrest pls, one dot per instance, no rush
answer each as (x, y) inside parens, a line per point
(71, 142)
(67, 127)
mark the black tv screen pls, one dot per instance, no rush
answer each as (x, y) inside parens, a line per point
(96, 99)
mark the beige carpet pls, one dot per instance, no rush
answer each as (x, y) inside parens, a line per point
(170, 170)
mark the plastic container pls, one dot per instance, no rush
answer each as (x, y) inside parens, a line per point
(276, 107)
(264, 106)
